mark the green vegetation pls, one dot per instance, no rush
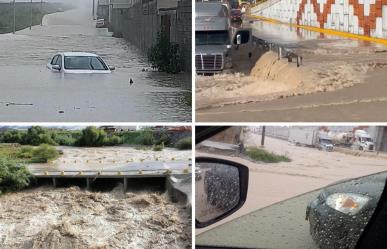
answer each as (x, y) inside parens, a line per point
(164, 55)
(29, 154)
(184, 144)
(159, 147)
(14, 175)
(93, 137)
(262, 155)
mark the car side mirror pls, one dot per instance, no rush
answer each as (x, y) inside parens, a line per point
(220, 189)
(112, 68)
(56, 67)
(242, 37)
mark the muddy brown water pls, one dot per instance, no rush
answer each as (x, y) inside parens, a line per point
(72, 218)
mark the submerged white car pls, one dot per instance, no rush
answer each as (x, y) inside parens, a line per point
(77, 62)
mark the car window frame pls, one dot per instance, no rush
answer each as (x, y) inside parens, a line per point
(54, 59)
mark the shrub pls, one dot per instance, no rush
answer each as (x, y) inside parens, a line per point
(158, 147)
(13, 176)
(146, 138)
(113, 140)
(162, 137)
(44, 153)
(263, 156)
(12, 136)
(25, 152)
(65, 139)
(130, 137)
(184, 143)
(164, 55)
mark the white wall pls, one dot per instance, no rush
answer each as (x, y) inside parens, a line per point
(342, 16)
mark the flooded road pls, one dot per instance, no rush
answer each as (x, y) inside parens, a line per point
(310, 169)
(340, 79)
(30, 92)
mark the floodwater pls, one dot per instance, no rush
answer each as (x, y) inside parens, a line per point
(273, 215)
(116, 158)
(30, 92)
(310, 169)
(339, 80)
(71, 218)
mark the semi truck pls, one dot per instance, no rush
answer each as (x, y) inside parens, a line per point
(362, 141)
(216, 38)
(310, 137)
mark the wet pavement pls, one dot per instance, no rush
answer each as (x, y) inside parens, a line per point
(30, 92)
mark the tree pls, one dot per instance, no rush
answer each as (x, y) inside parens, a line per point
(91, 136)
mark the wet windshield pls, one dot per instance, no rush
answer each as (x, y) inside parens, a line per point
(84, 63)
(212, 38)
(299, 196)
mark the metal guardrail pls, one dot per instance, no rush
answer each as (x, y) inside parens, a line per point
(110, 174)
(282, 51)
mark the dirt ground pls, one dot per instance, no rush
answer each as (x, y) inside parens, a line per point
(71, 218)
(310, 169)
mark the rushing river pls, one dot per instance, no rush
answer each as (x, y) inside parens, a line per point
(30, 92)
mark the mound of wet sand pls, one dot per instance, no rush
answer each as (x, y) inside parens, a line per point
(72, 218)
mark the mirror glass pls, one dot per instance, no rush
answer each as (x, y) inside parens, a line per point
(239, 39)
(242, 37)
(217, 190)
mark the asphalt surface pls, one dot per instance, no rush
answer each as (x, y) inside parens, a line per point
(30, 92)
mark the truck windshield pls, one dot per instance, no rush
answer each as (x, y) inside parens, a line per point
(325, 141)
(212, 37)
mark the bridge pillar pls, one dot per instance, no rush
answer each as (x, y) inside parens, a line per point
(54, 182)
(87, 183)
(125, 184)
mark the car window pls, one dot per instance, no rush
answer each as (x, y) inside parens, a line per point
(302, 192)
(53, 61)
(84, 63)
(59, 61)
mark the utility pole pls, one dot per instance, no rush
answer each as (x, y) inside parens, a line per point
(31, 15)
(93, 9)
(14, 16)
(263, 136)
(41, 12)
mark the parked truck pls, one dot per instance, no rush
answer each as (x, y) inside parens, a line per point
(215, 37)
(362, 141)
(310, 137)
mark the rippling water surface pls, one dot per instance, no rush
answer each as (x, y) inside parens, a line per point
(30, 92)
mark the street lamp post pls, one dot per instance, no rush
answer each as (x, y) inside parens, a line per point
(41, 12)
(14, 16)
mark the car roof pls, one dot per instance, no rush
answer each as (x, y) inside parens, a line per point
(79, 54)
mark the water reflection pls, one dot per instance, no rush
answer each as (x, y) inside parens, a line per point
(154, 96)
